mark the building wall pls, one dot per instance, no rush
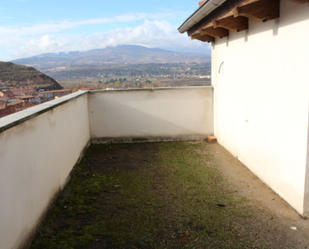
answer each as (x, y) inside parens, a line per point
(184, 113)
(261, 82)
(37, 157)
(2, 105)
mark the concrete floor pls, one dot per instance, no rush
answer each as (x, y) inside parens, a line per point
(270, 210)
(154, 170)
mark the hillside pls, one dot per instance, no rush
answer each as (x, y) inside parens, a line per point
(131, 54)
(12, 75)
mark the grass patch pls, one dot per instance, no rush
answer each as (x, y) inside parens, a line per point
(149, 195)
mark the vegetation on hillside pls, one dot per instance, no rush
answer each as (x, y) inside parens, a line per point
(12, 75)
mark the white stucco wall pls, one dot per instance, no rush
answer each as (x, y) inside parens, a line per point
(261, 100)
(160, 113)
(36, 158)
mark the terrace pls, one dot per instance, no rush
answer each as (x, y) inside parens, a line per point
(185, 194)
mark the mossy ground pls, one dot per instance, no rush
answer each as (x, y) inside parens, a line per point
(147, 195)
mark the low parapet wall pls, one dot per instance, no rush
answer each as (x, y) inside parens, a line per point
(40, 146)
(151, 114)
(38, 149)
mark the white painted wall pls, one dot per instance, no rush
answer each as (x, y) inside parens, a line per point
(44, 142)
(36, 158)
(261, 100)
(165, 113)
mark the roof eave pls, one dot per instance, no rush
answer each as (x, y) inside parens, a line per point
(208, 7)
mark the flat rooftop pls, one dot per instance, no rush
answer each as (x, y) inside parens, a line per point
(168, 195)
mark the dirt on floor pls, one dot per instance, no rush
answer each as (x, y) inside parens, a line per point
(275, 220)
(168, 195)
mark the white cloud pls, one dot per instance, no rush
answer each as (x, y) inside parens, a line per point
(19, 38)
(54, 27)
(159, 34)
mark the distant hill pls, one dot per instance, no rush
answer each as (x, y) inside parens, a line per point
(12, 75)
(111, 55)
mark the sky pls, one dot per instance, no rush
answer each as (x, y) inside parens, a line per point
(31, 27)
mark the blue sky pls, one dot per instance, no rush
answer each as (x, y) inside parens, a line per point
(30, 27)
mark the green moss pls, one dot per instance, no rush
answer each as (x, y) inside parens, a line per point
(145, 196)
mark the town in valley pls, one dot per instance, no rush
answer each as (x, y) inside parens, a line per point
(31, 81)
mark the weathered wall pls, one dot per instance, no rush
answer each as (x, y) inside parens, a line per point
(261, 82)
(36, 158)
(184, 113)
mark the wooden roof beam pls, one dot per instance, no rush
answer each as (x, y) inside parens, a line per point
(218, 32)
(300, 1)
(237, 24)
(202, 37)
(226, 7)
(261, 10)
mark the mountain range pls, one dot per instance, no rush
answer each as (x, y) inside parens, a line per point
(131, 54)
